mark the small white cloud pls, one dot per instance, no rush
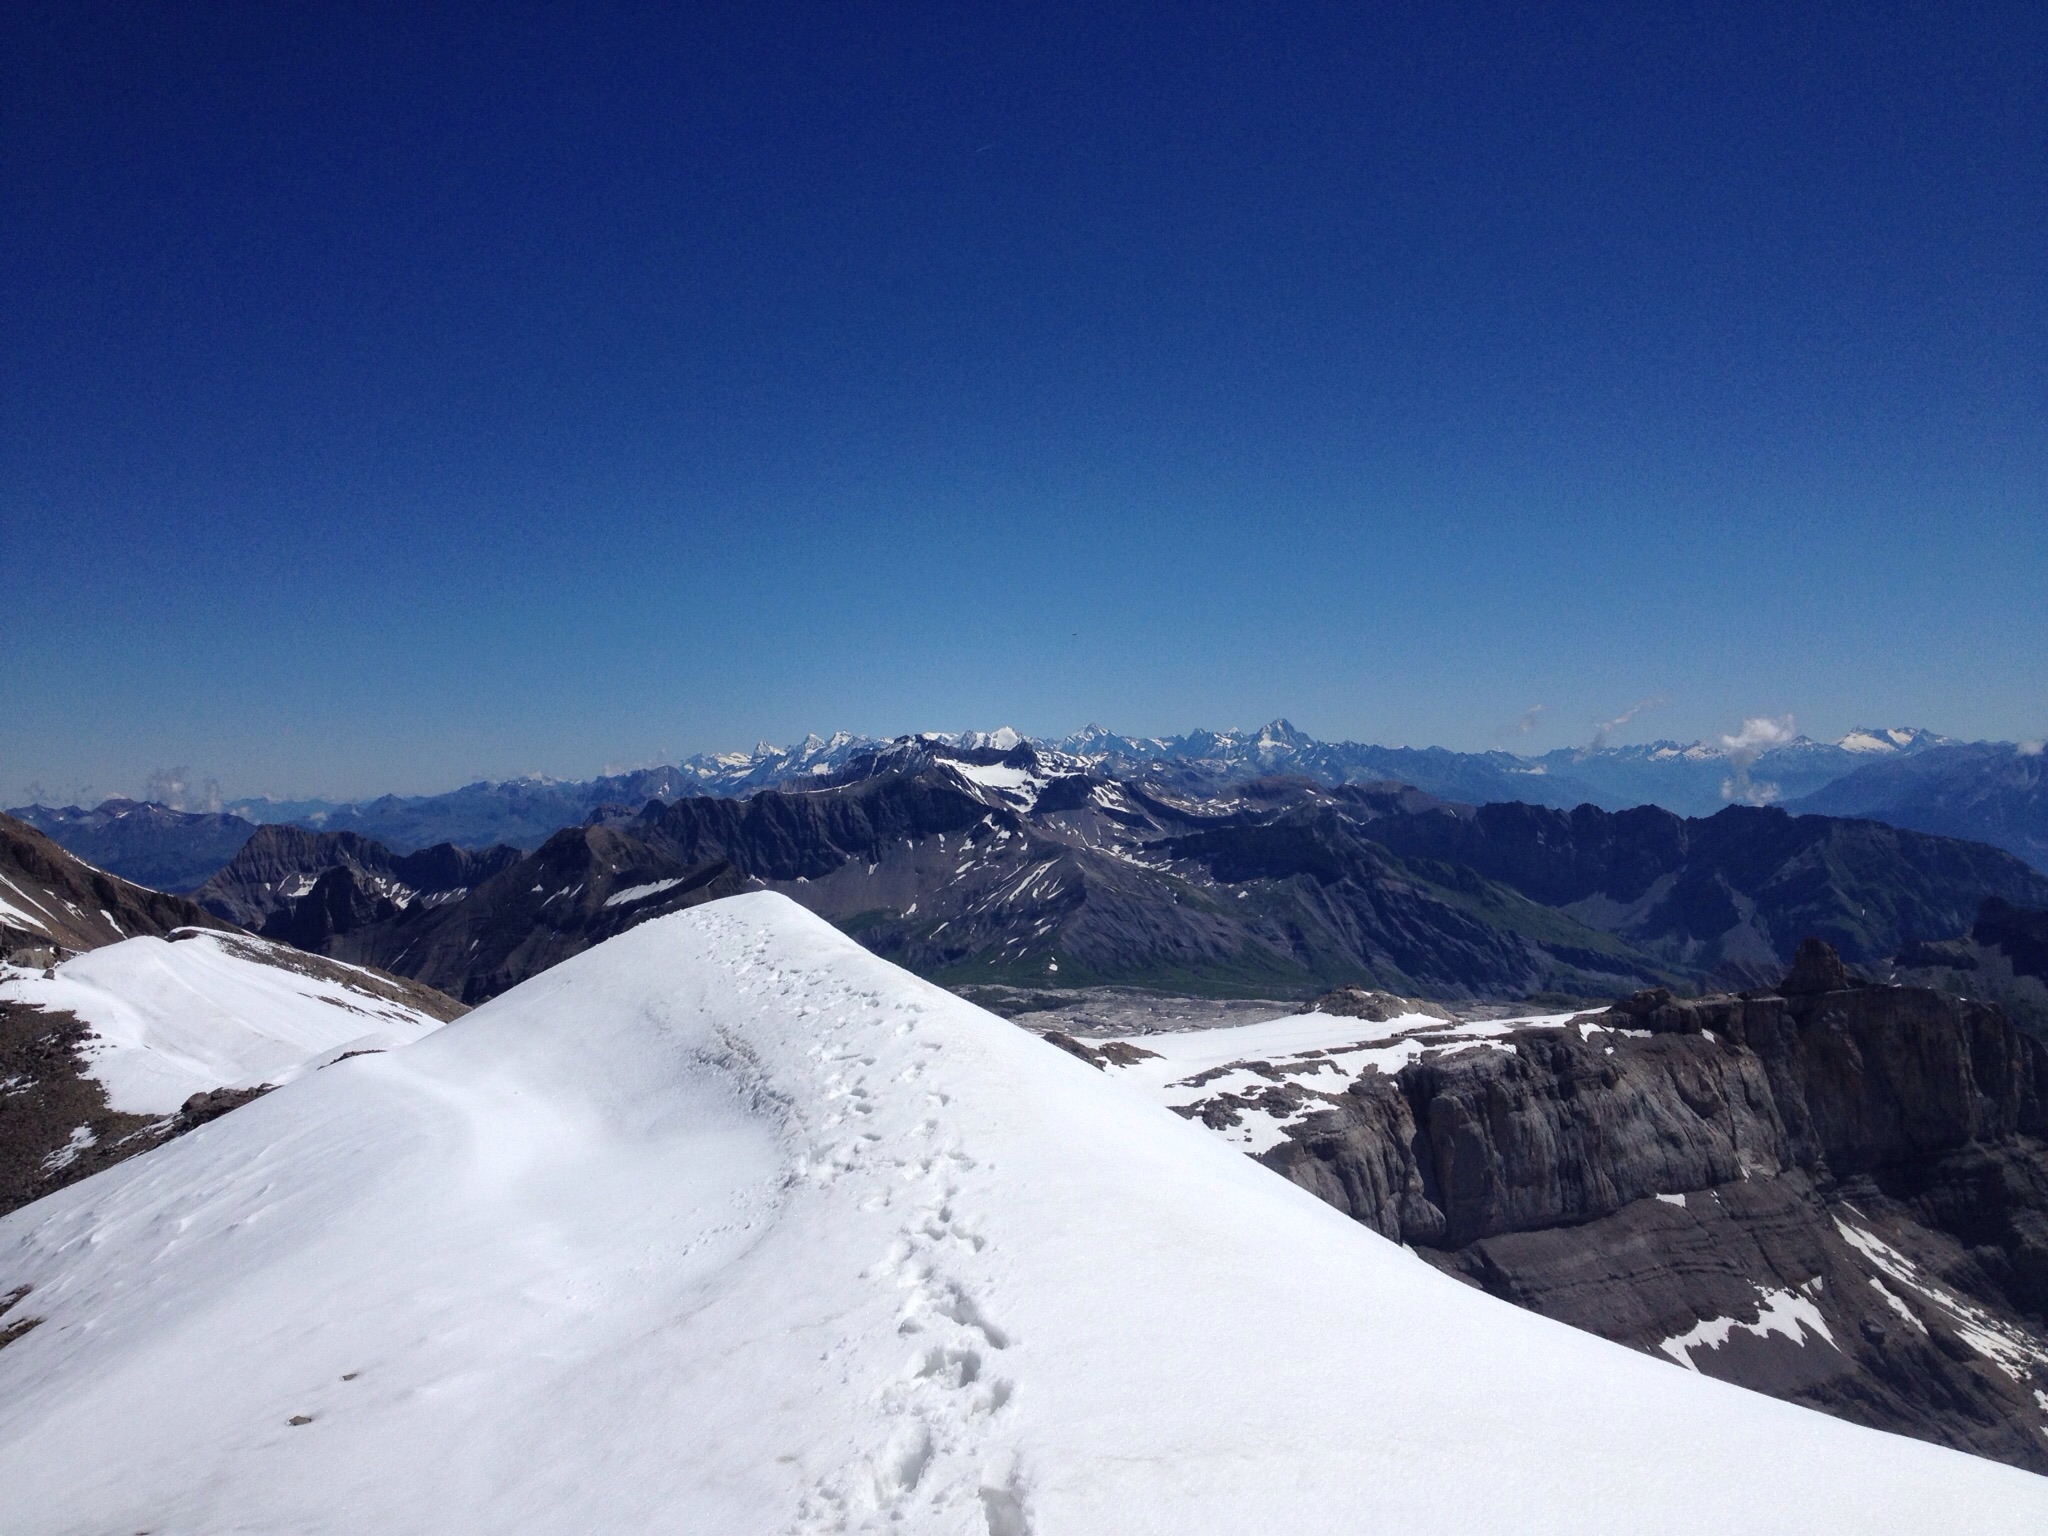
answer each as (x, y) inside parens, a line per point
(1602, 729)
(1759, 734)
(173, 787)
(1528, 721)
(2030, 749)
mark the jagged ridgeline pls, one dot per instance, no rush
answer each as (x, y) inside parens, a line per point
(1026, 868)
(1984, 791)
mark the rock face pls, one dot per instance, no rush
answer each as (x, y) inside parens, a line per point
(53, 904)
(274, 884)
(581, 887)
(1728, 895)
(2021, 934)
(1832, 1191)
(2003, 959)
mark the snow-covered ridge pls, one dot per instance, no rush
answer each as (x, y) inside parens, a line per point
(726, 1225)
(205, 1009)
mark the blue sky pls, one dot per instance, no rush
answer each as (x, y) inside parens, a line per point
(395, 396)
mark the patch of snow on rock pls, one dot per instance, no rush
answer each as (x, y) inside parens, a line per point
(1781, 1312)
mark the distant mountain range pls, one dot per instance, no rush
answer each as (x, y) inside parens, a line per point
(1993, 792)
(1693, 779)
(143, 841)
(979, 866)
(1908, 777)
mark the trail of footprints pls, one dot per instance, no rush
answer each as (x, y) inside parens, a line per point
(941, 1460)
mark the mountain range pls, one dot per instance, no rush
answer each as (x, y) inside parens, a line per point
(1821, 1188)
(1911, 778)
(1023, 868)
(1992, 792)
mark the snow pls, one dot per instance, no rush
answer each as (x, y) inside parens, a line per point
(209, 1010)
(727, 1225)
(2009, 1349)
(1781, 1312)
(1893, 1300)
(1301, 1041)
(1018, 783)
(1019, 787)
(1197, 1050)
(638, 892)
(1320, 1053)
(81, 1138)
(9, 912)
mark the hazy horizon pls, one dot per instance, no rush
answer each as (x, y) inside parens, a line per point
(182, 788)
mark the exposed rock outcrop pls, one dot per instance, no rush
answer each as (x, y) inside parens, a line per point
(1380, 1007)
(1833, 1191)
(581, 887)
(273, 885)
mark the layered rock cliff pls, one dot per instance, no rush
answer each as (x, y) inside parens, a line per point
(1831, 1191)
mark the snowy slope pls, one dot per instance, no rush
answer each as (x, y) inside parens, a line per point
(204, 1010)
(728, 1226)
(1318, 1053)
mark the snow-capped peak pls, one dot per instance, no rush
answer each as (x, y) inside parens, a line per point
(1888, 740)
(1002, 739)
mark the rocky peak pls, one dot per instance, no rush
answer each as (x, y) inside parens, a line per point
(1816, 968)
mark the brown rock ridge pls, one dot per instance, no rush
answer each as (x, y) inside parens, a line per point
(53, 904)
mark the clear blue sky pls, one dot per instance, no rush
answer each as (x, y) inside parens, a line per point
(392, 396)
